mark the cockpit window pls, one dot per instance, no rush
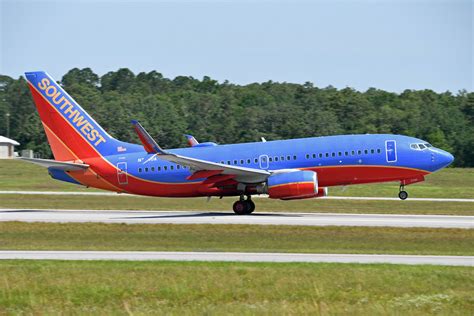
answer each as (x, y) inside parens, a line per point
(422, 146)
(428, 145)
(414, 146)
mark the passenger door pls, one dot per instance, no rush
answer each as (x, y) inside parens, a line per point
(391, 150)
(122, 173)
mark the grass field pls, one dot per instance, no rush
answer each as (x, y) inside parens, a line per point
(177, 288)
(241, 238)
(448, 183)
(123, 202)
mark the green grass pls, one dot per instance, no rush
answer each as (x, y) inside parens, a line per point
(179, 288)
(20, 175)
(240, 238)
(122, 202)
(448, 183)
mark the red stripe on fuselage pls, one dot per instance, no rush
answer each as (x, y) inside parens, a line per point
(345, 175)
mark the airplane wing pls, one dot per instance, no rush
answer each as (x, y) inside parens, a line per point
(61, 165)
(241, 174)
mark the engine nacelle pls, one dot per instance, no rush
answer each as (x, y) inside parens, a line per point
(293, 185)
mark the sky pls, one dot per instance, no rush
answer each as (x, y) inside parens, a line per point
(390, 45)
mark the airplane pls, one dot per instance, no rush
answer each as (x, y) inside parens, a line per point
(85, 154)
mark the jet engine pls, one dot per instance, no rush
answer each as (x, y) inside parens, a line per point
(294, 185)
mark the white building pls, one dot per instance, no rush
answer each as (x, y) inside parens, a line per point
(7, 147)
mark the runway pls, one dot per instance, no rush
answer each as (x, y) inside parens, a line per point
(355, 198)
(237, 257)
(195, 217)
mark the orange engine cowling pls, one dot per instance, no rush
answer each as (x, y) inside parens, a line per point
(294, 185)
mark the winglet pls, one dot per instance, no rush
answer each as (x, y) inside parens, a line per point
(151, 146)
(191, 140)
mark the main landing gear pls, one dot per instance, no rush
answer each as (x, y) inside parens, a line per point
(402, 194)
(244, 206)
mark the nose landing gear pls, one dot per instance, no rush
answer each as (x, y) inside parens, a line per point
(244, 207)
(403, 195)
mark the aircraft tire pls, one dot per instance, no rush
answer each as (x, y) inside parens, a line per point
(250, 206)
(240, 207)
(403, 195)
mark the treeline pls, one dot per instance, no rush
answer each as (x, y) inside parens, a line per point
(229, 113)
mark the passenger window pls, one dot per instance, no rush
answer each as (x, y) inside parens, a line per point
(235, 162)
(288, 157)
(366, 151)
(372, 151)
(314, 155)
(165, 168)
(282, 158)
(333, 154)
(327, 154)
(171, 167)
(248, 161)
(379, 151)
(256, 160)
(339, 154)
(270, 159)
(152, 169)
(359, 152)
(159, 169)
(146, 169)
(139, 169)
(353, 152)
(320, 155)
(346, 153)
(276, 158)
(294, 157)
(241, 161)
(228, 162)
(307, 156)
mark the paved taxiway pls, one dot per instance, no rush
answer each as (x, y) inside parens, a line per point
(176, 217)
(237, 257)
(362, 198)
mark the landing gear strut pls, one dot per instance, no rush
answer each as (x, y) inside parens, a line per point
(402, 194)
(244, 206)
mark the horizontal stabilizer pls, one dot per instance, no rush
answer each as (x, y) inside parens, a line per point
(60, 165)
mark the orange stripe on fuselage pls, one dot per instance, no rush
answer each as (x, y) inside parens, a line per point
(87, 177)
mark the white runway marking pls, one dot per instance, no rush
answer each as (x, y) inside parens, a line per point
(362, 198)
(196, 217)
(237, 257)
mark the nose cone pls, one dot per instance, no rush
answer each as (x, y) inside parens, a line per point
(443, 159)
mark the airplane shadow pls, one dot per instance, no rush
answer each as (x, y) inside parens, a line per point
(206, 214)
(23, 211)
